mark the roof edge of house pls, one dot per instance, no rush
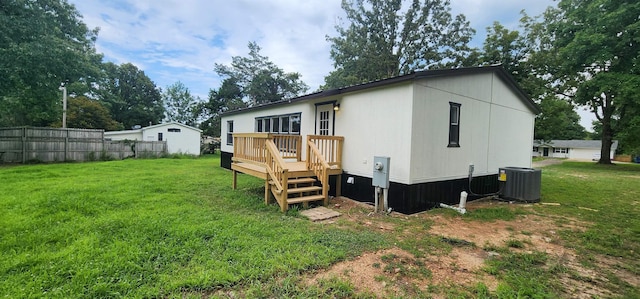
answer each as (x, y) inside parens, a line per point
(498, 68)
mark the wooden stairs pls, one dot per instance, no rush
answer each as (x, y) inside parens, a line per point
(289, 182)
(300, 190)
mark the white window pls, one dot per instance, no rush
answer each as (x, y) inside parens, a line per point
(283, 124)
(560, 150)
(324, 123)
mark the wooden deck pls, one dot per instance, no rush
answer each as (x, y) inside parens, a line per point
(296, 169)
(277, 160)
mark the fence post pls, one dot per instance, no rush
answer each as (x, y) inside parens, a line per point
(24, 145)
(66, 144)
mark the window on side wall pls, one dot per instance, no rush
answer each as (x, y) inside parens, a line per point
(229, 132)
(159, 136)
(454, 124)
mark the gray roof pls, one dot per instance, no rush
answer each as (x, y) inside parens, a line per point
(574, 144)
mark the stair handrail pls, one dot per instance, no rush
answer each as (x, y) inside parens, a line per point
(274, 165)
(330, 147)
(319, 166)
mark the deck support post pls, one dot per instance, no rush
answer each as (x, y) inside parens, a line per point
(235, 180)
(339, 185)
(267, 191)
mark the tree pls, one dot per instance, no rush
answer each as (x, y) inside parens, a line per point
(558, 120)
(131, 96)
(598, 50)
(382, 41)
(42, 44)
(514, 50)
(227, 98)
(86, 113)
(260, 80)
(179, 104)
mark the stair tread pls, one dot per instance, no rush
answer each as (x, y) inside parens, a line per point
(304, 189)
(305, 199)
(302, 180)
(298, 181)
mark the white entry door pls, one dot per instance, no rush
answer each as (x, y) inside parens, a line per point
(324, 119)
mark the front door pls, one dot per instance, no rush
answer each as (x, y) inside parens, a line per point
(324, 119)
(545, 152)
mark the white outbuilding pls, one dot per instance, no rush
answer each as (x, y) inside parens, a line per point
(181, 139)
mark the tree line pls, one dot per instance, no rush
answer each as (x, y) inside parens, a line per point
(579, 53)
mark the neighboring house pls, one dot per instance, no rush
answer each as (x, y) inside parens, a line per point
(572, 149)
(181, 139)
(434, 125)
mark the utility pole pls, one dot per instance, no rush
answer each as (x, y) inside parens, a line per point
(63, 87)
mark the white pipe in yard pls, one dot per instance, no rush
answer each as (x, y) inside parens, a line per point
(461, 206)
(463, 199)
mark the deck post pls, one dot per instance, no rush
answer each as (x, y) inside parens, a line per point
(235, 180)
(267, 191)
(284, 204)
(339, 185)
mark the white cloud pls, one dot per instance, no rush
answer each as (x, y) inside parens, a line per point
(175, 40)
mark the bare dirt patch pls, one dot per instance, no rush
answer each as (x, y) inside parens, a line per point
(394, 271)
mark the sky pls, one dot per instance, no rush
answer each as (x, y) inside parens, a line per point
(181, 40)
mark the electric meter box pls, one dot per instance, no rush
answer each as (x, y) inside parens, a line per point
(380, 172)
(520, 184)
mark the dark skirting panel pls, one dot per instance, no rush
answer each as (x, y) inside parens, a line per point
(415, 198)
(405, 198)
(225, 160)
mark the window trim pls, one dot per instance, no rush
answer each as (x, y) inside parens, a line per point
(454, 124)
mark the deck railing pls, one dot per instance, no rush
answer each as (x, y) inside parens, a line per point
(330, 147)
(319, 166)
(290, 146)
(275, 169)
(250, 147)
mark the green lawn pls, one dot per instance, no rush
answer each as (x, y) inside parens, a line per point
(173, 228)
(149, 228)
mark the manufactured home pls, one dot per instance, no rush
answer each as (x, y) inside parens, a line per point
(181, 139)
(438, 128)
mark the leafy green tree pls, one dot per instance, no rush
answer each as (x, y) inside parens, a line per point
(596, 42)
(179, 104)
(558, 120)
(42, 44)
(131, 96)
(227, 98)
(383, 40)
(260, 80)
(86, 113)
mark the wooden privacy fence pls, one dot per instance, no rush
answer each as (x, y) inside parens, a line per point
(24, 144)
